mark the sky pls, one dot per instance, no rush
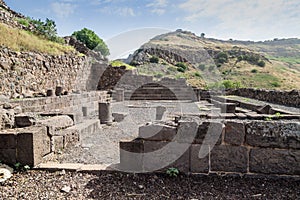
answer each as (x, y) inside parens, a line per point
(256, 20)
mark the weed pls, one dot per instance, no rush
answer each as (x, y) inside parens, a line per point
(172, 172)
(19, 167)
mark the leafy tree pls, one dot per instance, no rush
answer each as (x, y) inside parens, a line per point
(202, 35)
(92, 41)
(46, 29)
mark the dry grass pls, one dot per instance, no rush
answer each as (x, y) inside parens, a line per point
(20, 40)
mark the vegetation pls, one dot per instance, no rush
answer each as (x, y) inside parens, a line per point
(25, 22)
(154, 59)
(181, 67)
(201, 67)
(172, 172)
(254, 71)
(252, 59)
(19, 167)
(92, 41)
(221, 58)
(226, 84)
(45, 29)
(20, 40)
(118, 63)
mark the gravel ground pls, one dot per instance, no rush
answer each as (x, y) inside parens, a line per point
(115, 185)
(103, 147)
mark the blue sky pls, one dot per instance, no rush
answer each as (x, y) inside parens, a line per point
(223, 19)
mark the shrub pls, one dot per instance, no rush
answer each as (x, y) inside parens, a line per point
(254, 71)
(158, 75)
(181, 67)
(211, 68)
(222, 58)
(154, 59)
(197, 74)
(261, 63)
(24, 21)
(201, 67)
(92, 41)
(275, 84)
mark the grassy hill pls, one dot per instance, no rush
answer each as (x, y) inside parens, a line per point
(20, 40)
(212, 63)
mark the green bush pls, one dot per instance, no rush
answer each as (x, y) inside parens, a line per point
(158, 75)
(154, 59)
(222, 58)
(92, 41)
(197, 74)
(275, 84)
(181, 67)
(201, 67)
(211, 68)
(254, 71)
(261, 63)
(226, 84)
(24, 21)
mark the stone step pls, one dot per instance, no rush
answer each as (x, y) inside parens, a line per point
(87, 127)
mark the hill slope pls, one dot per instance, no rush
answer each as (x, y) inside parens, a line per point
(208, 62)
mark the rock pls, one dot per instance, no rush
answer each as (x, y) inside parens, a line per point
(4, 65)
(5, 172)
(7, 106)
(66, 189)
(24, 121)
(3, 99)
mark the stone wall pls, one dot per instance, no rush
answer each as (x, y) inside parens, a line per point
(67, 104)
(32, 74)
(247, 147)
(10, 17)
(288, 98)
(141, 87)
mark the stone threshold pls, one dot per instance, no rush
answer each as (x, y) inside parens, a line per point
(78, 167)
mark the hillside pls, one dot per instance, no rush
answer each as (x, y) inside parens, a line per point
(207, 63)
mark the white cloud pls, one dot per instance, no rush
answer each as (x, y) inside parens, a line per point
(158, 6)
(121, 11)
(63, 10)
(265, 17)
(158, 11)
(125, 11)
(158, 3)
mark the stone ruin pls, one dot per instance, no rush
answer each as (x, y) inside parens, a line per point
(235, 134)
(209, 132)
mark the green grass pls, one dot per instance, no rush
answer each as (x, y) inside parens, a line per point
(118, 63)
(262, 80)
(20, 40)
(290, 60)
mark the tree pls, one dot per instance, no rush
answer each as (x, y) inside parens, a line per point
(202, 35)
(92, 41)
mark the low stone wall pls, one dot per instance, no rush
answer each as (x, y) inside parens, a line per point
(32, 74)
(65, 104)
(35, 144)
(288, 98)
(247, 147)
